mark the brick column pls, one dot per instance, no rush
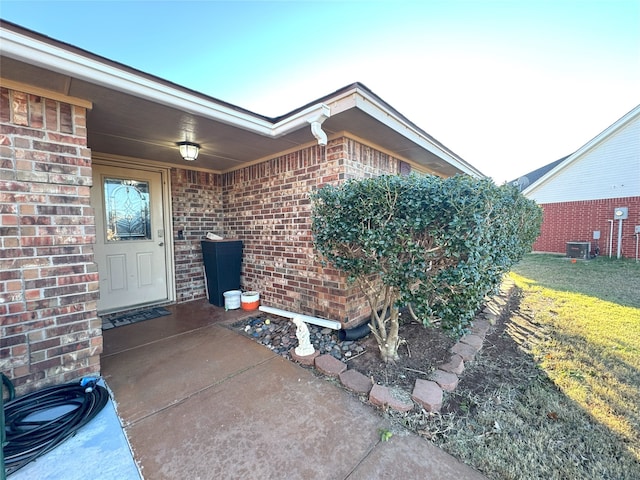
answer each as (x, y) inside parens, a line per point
(50, 332)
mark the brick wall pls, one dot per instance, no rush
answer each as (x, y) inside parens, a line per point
(50, 332)
(197, 209)
(267, 205)
(576, 221)
(363, 161)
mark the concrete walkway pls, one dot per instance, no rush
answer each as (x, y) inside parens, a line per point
(201, 401)
(197, 400)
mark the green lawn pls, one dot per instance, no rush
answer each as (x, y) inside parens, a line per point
(568, 405)
(590, 311)
(616, 281)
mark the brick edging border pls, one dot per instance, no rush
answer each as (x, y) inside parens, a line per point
(428, 394)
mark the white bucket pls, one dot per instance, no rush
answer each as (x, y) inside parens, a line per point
(232, 299)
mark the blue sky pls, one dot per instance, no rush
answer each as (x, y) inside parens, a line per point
(509, 85)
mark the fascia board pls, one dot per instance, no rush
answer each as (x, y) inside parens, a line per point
(356, 98)
(41, 54)
(73, 64)
(318, 112)
(590, 145)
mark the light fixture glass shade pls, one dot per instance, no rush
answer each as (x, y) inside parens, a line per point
(189, 150)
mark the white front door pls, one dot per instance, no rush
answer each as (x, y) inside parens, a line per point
(130, 238)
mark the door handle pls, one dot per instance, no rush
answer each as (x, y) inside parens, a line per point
(161, 244)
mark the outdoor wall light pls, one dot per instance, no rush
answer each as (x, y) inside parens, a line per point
(188, 150)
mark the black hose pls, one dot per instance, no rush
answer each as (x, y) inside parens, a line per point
(6, 382)
(354, 333)
(28, 439)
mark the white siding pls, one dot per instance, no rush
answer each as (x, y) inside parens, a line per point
(611, 169)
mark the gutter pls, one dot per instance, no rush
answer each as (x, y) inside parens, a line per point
(368, 102)
(27, 49)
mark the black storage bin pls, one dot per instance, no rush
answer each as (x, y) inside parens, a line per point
(222, 262)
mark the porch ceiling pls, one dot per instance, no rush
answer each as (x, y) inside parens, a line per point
(138, 115)
(126, 125)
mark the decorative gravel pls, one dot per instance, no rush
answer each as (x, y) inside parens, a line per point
(279, 335)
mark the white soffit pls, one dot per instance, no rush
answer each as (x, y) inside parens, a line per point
(73, 63)
(31, 51)
(357, 98)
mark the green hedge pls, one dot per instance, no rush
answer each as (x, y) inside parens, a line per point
(439, 245)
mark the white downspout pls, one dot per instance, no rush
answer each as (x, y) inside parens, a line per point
(316, 125)
(321, 322)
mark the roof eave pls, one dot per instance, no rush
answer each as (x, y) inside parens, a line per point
(74, 63)
(357, 95)
(594, 142)
(38, 50)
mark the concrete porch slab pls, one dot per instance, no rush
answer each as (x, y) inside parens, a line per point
(276, 420)
(184, 318)
(159, 374)
(205, 402)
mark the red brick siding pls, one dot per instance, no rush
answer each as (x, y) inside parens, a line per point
(576, 221)
(363, 161)
(50, 332)
(267, 206)
(197, 209)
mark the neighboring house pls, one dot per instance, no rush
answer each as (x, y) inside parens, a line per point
(82, 136)
(593, 195)
(531, 177)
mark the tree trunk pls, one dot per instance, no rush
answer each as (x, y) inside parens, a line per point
(389, 352)
(389, 347)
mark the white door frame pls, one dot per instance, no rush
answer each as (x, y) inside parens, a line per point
(165, 175)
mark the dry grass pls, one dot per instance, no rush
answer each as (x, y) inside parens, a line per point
(554, 392)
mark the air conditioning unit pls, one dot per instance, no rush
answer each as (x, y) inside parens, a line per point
(579, 250)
